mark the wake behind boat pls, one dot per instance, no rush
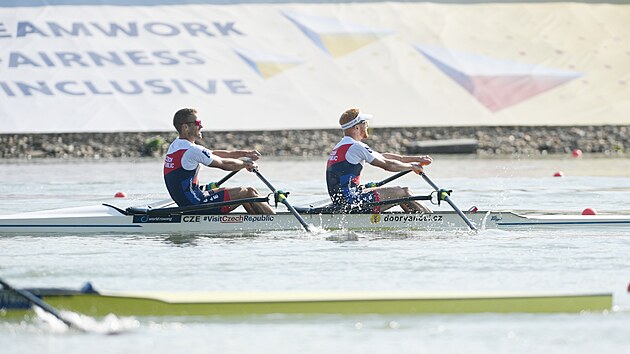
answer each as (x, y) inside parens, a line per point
(161, 218)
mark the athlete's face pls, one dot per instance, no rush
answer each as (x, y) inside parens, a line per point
(198, 126)
(363, 126)
(194, 128)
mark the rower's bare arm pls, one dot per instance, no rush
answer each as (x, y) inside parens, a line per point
(393, 165)
(237, 154)
(230, 164)
(423, 160)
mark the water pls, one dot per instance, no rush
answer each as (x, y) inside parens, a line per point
(492, 260)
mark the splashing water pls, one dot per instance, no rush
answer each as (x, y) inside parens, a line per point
(110, 324)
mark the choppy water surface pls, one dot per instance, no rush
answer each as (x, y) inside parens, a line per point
(492, 260)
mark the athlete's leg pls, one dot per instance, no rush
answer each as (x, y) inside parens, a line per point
(249, 192)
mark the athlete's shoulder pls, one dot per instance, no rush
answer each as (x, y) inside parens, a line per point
(200, 150)
(366, 147)
(344, 141)
(178, 144)
(359, 145)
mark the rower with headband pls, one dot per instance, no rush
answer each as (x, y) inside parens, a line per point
(360, 118)
(345, 163)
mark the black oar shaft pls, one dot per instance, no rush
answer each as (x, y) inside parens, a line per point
(389, 179)
(214, 185)
(449, 201)
(284, 201)
(396, 201)
(228, 176)
(39, 302)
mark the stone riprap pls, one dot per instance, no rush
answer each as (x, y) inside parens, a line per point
(525, 141)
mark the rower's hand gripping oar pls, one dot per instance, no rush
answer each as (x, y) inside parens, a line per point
(34, 300)
(282, 198)
(392, 178)
(443, 194)
(214, 185)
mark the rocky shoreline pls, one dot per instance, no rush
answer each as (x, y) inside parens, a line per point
(507, 140)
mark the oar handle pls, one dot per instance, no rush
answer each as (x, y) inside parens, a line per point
(283, 199)
(389, 179)
(447, 198)
(40, 303)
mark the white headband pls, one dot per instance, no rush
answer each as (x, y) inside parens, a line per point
(361, 117)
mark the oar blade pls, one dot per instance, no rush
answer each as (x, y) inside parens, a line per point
(34, 300)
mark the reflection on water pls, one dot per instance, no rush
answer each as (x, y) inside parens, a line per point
(181, 240)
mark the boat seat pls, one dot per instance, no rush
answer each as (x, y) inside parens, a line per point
(137, 210)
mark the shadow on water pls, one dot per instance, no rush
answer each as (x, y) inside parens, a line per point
(337, 236)
(181, 240)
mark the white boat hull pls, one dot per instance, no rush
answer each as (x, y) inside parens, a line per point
(105, 219)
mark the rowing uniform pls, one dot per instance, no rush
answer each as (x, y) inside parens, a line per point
(181, 168)
(343, 172)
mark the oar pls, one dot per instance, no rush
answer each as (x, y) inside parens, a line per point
(443, 195)
(34, 300)
(283, 199)
(214, 185)
(386, 180)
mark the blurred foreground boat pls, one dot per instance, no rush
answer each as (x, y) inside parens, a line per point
(90, 302)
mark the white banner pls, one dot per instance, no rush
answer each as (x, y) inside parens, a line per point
(291, 66)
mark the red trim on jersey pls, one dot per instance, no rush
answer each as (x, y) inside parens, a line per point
(338, 155)
(173, 161)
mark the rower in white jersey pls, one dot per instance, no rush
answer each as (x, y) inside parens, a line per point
(345, 163)
(183, 160)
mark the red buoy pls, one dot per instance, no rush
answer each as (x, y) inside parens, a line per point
(120, 195)
(589, 211)
(576, 153)
(558, 174)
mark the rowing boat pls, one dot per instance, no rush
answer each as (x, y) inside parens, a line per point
(260, 303)
(110, 219)
(161, 217)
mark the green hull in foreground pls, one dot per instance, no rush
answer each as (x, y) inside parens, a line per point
(344, 303)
